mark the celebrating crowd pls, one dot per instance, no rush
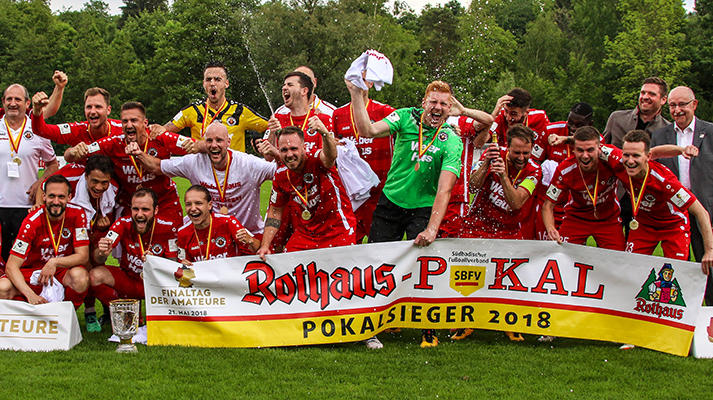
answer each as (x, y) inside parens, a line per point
(339, 176)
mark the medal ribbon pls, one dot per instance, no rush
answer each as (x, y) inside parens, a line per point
(507, 157)
(55, 243)
(15, 144)
(635, 205)
(139, 170)
(141, 241)
(206, 115)
(224, 187)
(304, 124)
(596, 187)
(302, 197)
(351, 118)
(97, 214)
(420, 138)
(207, 245)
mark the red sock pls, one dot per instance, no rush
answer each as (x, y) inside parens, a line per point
(76, 298)
(105, 293)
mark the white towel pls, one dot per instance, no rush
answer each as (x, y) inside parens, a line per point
(548, 171)
(52, 293)
(356, 174)
(378, 70)
(82, 199)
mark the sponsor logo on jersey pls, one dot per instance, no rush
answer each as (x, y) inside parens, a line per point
(393, 117)
(112, 236)
(553, 192)
(172, 245)
(64, 129)
(81, 234)
(20, 247)
(93, 148)
(680, 198)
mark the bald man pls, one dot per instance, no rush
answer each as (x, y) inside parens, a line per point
(694, 174)
(232, 177)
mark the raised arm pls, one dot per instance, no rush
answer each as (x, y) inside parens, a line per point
(60, 81)
(361, 118)
(328, 155)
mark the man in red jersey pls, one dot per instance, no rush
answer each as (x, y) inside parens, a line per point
(376, 151)
(211, 235)
(505, 179)
(321, 215)
(142, 233)
(296, 92)
(96, 110)
(128, 151)
(660, 203)
(514, 108)
(53, 240)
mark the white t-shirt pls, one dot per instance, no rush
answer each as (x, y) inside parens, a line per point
(15, 179)
(323, 107)
(246, 174)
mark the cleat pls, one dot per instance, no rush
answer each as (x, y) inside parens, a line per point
(545, 339)
(514, 336)
(461, 334)
(626, 347)
(393, 330)
(429, 339)
(373, 343)
(92, 324)
(104, 319)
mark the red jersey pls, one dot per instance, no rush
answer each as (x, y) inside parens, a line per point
(377, 152)
(165, 145)
(535, 119)
(197, 245)
(541, 149)
(568, 185)
(160, 240)
(72, 133)
(34, 242)
(313, 140)
(665, 201)
(490, 210)
(328, 206)
(466, 126)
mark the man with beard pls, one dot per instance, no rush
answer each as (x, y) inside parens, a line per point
(514, 108)
(54, 241)
(236, 117)
(96, 110)
(127, 152)
(296, 92)
(142, 233)
(321, 106)
(646, 116)
(21, 151)
(232, 178)
(426, 164)
(660, 203)
(321, 213)
(209, 235)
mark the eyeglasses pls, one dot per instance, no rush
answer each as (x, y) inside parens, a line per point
(679, 105)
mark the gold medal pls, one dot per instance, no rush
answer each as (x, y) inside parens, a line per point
(634, 224)
(17, 160)
(418, 165)
(306, 215)
(224, 210)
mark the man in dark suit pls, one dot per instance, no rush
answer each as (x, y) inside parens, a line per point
(696, 173)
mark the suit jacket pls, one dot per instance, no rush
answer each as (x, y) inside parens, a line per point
(622, 121)
(701, 171)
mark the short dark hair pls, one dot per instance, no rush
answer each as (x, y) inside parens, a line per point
(101, 163)
(585, 133)
(521, 98)
(305, 81)
(97, 90)
(638, 136)
(199, 188)
(215, 64)
(657, 81)
(582, 109)
(57, 179)
(143, 192)
(134, 105)
(520, 131)
(289, 130)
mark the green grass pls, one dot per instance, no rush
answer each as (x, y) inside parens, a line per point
(485, 365)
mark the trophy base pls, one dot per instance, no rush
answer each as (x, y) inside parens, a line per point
(127, 348)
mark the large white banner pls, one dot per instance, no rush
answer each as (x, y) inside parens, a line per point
(43, 327)
(351, 293)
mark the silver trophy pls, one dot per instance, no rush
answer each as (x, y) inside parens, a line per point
(125, 322)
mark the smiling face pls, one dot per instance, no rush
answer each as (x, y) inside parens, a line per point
(436, 107)
(96, 111)
(142, 213)
(587, 154)
(215, 81)
(635, 158)
(515, 115)
(682, 105)
(56, 198)
(198, 208)
(519, 153)
(134, 125)
(292, 151)
(651, 99)
(217, 141)
(293, 92)
(14, 102)
(97, 183)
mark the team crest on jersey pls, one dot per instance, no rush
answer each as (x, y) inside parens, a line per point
(28, 135)
(308, 178)
(311, 132)
(220, 241)
(156, 249)
(66, 233)
(152, 152)
(230, 121)
(20, 247)
(443, 136)
(660, 290)
(184, 275)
